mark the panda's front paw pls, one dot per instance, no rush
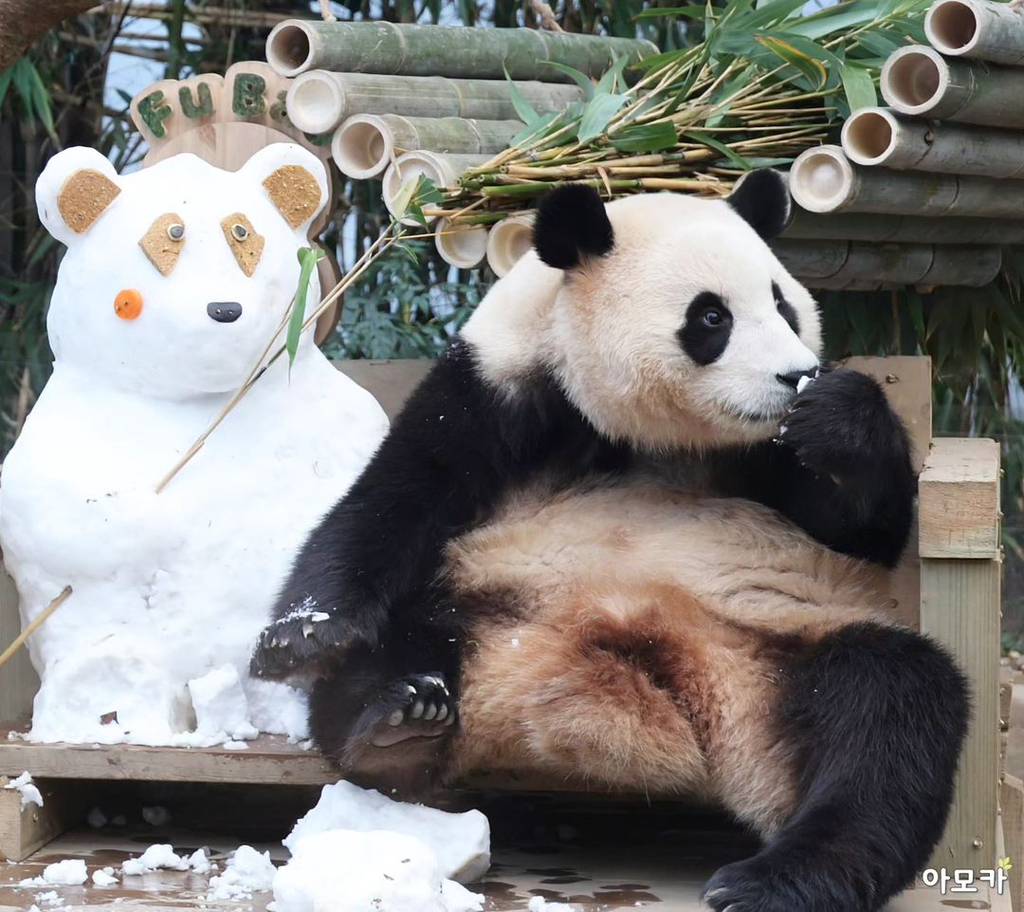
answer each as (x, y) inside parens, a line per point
(841, 425)
(416, 706)
(301, 644)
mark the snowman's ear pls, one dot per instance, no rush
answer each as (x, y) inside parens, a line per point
(293, 178)
(76, 187)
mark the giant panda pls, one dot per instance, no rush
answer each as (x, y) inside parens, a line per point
(631, 533)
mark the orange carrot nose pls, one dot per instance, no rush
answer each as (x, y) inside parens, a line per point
(128, 304)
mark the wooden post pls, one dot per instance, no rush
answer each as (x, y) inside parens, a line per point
(960, 607)
(18, 680)
(24, 830)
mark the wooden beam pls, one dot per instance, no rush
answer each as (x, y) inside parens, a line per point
(959, 499)
(18, 680)
(25, 830)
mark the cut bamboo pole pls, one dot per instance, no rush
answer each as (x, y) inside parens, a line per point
(508, 242)
(877, 136)
(364, 145)
(823, 180)
(910, 229)
(443, 170)
(297, 45)
(319, 100)
(845, 262)
(463, 247)
(977, 29)
(918, 80)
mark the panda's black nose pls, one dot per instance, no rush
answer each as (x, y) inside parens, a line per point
(793, 378)
(224, 311)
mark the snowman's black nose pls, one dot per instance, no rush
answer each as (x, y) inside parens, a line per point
(224, 311)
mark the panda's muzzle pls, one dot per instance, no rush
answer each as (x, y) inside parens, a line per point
(224, 311)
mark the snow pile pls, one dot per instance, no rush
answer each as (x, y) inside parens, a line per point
(462, 841)
(358, 850)
(350, 871)
(169, 588)
(30, 794)
(247, 872)
(540, 904)
(104, 877)
(67, 873)
(162, 857)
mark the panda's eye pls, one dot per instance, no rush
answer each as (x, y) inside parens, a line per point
(239, 232)
(176, 231)
(712, 317)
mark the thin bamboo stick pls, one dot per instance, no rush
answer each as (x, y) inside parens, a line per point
(877, 136)
(977, 29)
(919, 81)
(298, 45)
(823, 180)
(36, 623)
(319, 100)
(364, 145)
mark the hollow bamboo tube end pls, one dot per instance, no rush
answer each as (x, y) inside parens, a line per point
(952, 27)
(363, 146)
(821, 179)
(316, 102)
(290, 47)
(869, 136)
(509, 241)
(462, 247)
(914, 79)
(409, 168)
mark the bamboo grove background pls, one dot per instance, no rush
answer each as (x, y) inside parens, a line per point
(59, 94)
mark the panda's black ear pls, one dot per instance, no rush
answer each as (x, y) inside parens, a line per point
(571, 224)
(762, 198)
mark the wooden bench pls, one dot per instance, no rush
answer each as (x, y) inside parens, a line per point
(947, 586)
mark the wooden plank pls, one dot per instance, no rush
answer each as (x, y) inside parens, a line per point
(18, 680)
(25, 830)
(960, 607)
(959, 499)
(907, 381)
(269, 760)
(1011, 814)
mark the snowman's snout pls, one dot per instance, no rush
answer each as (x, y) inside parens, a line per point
(224, 311)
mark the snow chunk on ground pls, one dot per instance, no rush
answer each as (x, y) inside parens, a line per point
(222, 710)
(278, 709)
(462, 841)
(104, 877)
(199, 862)
(247, 872)
(68, 873)
(158, 857)
(29, 793)
(540, 904)
(349, 871)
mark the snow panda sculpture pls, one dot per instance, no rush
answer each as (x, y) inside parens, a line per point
(618, 532)
(174, 282)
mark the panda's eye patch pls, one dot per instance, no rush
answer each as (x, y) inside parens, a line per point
(705, 333)
(243, 241)
(164, 242)
(785, 309)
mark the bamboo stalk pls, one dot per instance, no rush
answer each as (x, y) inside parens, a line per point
(842, 262)
(298, 45)
(823, 180)
(36, 623)
(977, 29)
(508, 242)
(462, 246)
(442, 170)
(319, 100)
(364, 145)
(912, 229)
(919, 81)
(876, 136)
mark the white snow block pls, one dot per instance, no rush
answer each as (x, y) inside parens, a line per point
(462, 842)
(175, 280)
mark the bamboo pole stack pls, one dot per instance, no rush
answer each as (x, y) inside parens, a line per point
(405, 101)
(941, 167)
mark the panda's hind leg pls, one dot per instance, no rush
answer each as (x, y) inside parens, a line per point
(383, 727)
(877, 717)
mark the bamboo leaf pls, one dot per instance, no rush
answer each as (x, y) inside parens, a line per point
(5, 82)
(809, 67)
(308, 258)
(609, 82)
(597, 115)
(538, 130)
(524, 111)
(859, 87)
(581, 79)
(643, 138)
(838, 18)
(687, 12)
(41, 100)
(719, 147)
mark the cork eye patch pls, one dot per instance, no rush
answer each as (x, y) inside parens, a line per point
(164, 242)
(245, 243)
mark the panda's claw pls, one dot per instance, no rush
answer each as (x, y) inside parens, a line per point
(418, 706)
